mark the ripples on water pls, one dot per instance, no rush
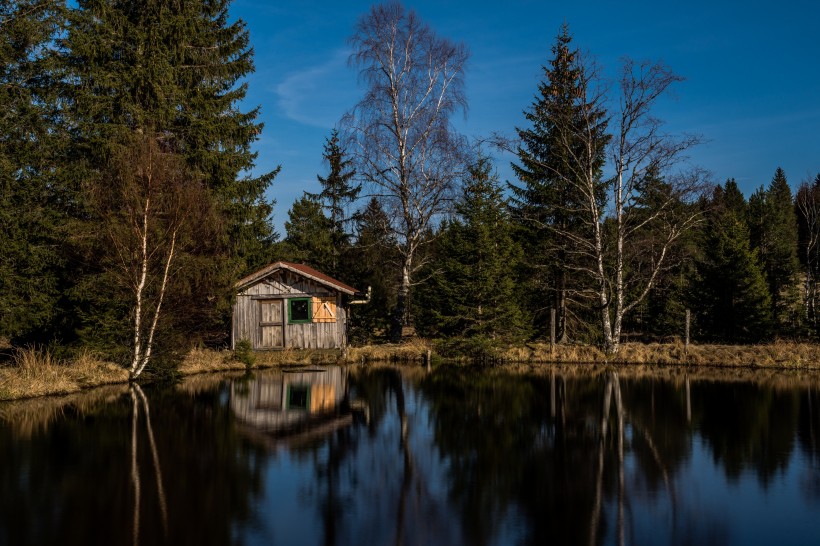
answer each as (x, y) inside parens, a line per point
(401, 456)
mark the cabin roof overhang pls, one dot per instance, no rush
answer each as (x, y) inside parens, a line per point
(299, 269)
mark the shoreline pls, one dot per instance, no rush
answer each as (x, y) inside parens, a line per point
(37, 374)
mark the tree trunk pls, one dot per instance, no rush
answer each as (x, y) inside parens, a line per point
(400, 312)
(561, 308)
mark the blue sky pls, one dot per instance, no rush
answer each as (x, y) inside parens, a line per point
(752, 85)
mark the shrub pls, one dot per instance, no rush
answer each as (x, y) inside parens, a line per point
(243, 352)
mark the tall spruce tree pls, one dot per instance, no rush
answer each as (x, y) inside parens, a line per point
(373, 260)
(338, 193)
(472, 290)
(774, 233)
(733, 302)
(548, 204)
(30, 198)
(308, 236)
(174, 70)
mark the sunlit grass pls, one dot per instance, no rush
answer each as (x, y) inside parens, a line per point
(780, 355)
(34, 372)
(413, 350)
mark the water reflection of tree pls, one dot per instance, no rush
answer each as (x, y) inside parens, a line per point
(748, 426)
(71, 482)
(553, 451)
(505, 451)
(808, 435)
(371, 486)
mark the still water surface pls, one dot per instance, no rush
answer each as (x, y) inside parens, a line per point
(398, 456)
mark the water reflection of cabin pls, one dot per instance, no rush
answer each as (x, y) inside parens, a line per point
(287, 305)
(293, 403)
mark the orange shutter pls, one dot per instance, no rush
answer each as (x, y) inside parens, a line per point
(324, 309)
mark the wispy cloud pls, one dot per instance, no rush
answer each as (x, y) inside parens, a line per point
(318, 95)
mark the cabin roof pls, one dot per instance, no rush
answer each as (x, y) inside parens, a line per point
(301, 269)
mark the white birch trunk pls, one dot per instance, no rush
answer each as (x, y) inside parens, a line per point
(135, 362)
(165, 275)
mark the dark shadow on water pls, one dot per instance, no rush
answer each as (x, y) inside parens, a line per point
(333, 455)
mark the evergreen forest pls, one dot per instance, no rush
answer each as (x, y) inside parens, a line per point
(130, 203)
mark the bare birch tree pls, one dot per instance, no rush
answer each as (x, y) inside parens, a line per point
(807, 202)
(405, 148)
(642, 152)
(641, 190)
(150, 205)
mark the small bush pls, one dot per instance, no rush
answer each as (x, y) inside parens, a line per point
(243, 352)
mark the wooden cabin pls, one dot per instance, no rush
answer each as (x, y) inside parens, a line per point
(287, 305)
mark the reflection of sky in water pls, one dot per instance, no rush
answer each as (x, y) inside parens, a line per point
(712, 510)
(700, 506)
(485, 462)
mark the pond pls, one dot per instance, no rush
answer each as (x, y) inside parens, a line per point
(382, 455)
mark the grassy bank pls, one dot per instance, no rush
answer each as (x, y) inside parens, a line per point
(34, 373)
(37, 373)
(785, 355)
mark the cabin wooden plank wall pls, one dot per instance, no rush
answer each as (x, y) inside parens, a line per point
(260, 314)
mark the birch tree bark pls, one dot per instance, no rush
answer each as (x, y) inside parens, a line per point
(807, 202)
(633, 209)
(151, 207)
(404, 146)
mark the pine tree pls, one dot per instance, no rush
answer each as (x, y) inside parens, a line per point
(338, 192)
(309, 236)
(733, 302)
(773, 232)
(372, 261)
(172, 68)
(662, 312)
(472, 291)
(548, 203)
(30, 210)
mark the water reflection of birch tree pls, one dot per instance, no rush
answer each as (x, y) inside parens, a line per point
(138, 397)
(612, 385)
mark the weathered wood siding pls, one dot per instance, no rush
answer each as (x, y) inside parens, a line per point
(256, 316)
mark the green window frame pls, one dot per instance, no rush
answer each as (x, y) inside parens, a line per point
(298, 397)
(301, 305)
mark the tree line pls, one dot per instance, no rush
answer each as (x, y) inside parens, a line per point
(607, 227)
(128, 210)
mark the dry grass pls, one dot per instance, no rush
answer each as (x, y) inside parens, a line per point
(208, 360)
(414, 350)
(297, 356)
(778, 355)
(775, 355)
(37, 373)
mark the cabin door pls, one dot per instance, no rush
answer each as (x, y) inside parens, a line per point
(271, 324)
